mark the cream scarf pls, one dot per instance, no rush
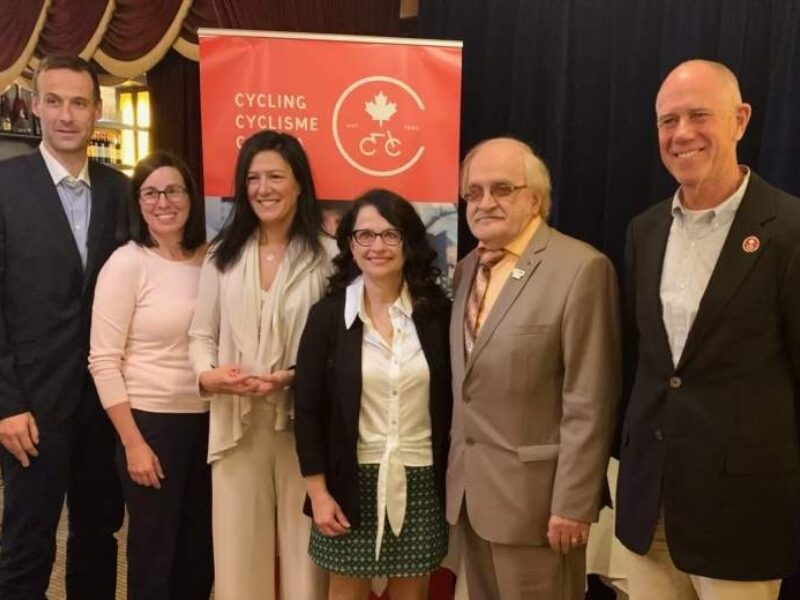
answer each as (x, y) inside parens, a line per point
(299, 283)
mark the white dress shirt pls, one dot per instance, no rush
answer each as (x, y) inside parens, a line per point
(695, 241)
(394, 426)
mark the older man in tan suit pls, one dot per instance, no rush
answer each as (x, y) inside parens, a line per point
(536, 359)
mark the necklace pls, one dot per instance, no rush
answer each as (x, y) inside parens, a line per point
(270, 255)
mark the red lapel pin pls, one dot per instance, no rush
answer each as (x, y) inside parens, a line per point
(750, 244)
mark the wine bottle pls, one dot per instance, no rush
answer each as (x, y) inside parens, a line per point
(91, 151)
(5, 113)
(103, 148)
(106, 149)
(20, 117)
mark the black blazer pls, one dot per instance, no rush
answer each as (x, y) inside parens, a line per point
(327, 398)
(714, 441)
(45, 294)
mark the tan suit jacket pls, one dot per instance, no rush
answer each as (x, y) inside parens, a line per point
(534, 404)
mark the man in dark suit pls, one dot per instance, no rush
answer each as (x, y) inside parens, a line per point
(709, 488)
(58, 220)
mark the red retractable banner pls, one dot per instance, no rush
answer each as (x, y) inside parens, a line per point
(370, 112)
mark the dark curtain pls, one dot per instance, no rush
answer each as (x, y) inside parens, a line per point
(248, 14)
(363, 17)
(201, 14)
(137, 27)
(175, 110)
(577, 79)
(779, 146)
(17, 22)
(69, 31)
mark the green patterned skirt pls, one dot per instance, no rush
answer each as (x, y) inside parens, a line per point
(418, 550)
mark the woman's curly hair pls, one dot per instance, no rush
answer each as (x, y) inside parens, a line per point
(419, 272)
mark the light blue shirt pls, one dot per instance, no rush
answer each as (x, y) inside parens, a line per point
(693, 248)
(76, 198)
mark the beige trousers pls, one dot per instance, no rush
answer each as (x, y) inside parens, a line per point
(505, 572)
(655, 577)
(258, 495)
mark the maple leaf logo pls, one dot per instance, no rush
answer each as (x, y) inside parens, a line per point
(380, 109)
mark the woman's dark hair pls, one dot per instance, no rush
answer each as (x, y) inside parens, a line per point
(194, 232)
(419, 271)
(307, 223)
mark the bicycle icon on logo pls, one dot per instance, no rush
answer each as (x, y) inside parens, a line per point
(370, 144)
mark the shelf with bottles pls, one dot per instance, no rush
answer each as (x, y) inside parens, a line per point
(124, 129)
(16, 119)
(105, 147)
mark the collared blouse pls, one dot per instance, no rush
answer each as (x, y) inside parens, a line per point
(394, 427)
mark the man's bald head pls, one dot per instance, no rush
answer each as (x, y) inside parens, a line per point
(728, 84)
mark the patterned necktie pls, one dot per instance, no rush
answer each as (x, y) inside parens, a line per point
(486, 260)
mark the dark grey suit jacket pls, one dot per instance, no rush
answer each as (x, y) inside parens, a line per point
(45, 294)
(714, 440)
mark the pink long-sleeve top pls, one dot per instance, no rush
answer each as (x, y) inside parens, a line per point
(142, 309)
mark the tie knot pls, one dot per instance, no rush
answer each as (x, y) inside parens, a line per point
(489, 258)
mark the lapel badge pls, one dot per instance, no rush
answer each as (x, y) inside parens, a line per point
(517, 274)
(750, 244)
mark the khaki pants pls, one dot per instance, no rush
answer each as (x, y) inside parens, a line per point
(505, 572)
(655, 577)
(258, 495)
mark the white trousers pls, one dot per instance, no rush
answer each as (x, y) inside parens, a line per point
(258, 495)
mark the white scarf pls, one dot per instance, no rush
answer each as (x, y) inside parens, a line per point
(299, 283)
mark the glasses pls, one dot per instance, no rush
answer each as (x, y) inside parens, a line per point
(366, 237)
(173, 193)
(497, 190)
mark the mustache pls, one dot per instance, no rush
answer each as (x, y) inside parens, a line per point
(495, 212)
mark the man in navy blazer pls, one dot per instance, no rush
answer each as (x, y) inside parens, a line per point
(708, 495)
(58, 223)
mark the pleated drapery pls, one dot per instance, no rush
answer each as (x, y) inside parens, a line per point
(126, 38)
(21, 25)
(70, 31)
(139, 34)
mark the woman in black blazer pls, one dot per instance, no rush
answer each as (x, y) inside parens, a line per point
(373, 405)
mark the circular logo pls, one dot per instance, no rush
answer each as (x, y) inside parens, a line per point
(376, 126)
(750, 244)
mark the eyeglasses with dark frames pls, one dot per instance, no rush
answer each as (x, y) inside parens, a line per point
(173, 193)
(367, 237)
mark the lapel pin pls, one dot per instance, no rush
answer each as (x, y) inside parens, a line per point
(750, 244)
(517, 274)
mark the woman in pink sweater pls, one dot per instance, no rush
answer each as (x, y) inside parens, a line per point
(139, 359)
